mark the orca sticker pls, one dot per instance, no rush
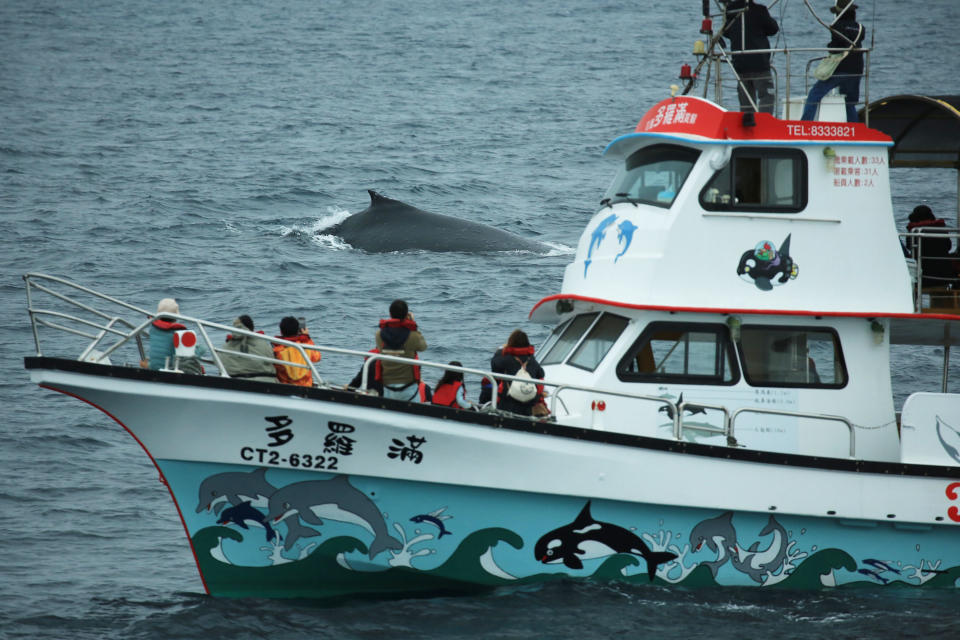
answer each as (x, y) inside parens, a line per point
(767, 267)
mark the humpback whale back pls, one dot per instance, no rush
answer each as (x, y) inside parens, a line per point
(391, 225)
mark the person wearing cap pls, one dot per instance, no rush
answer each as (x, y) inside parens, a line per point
(292, 331)
(161, 353)
(242, 353)
(846, 34)
(748, 26)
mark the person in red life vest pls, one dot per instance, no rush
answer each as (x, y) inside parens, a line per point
(398, 336)
(932, 251)
(161, 354)
(509, 359)
(450, 391)
(292, 331)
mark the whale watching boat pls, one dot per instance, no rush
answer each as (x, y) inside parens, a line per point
(719, 382)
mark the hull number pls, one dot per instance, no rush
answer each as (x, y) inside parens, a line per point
(299, 460)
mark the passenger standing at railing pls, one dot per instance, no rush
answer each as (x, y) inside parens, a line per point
(749, 26)
(292, 331)
(399, 336)
(161, 354)
(846, 34)
(509, 359)
(241, 346)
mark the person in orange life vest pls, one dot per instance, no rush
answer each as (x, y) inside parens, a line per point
(450, 391)
(291, 331)
(509, 359)
(161, 354)
(933, 251)
(398, 336)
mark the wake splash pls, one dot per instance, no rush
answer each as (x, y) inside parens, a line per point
(312, 231)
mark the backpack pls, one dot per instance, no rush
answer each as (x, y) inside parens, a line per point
(522, 391)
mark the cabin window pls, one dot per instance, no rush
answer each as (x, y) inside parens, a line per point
(792, 357)
(681, 353)
(575, 329)
(653, 175)
(555, 334)
(763, 180)
(598, 342)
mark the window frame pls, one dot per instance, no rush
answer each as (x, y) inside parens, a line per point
(840, 363)
(693, 153)
(569, 324)
(800, 181)
(722, 331)
(583, 340)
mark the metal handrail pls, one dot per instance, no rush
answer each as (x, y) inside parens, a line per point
(723, 57)
(38, 317)
(797, 414)
(916, 251)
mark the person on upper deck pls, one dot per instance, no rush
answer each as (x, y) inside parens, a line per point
(932, 252)
(749, 26)
(509, 359)
(846, 34)
(399, 336)
(292, 331)
(242, 366)
(162, 354)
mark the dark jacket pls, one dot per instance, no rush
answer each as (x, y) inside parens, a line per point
(933, 252)
(759, 25)
(843, 32)
(509, 360)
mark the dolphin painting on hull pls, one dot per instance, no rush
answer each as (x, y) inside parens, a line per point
(390, 225)
(335, 499)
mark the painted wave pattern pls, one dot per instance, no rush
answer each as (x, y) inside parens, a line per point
(287, 536)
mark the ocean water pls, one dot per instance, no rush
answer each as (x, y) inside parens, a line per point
(196, 150)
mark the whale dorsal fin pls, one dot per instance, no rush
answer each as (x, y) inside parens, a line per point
(375, 197)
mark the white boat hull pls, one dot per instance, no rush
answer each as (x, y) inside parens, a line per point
(288, 492)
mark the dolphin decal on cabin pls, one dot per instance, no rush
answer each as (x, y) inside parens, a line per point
(586, 539)
(390, 225)
(596, 238)
(625, 235)
(335, 499)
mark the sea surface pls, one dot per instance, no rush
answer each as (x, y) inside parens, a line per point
(198, 149)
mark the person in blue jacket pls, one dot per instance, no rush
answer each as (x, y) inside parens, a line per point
(161, 351)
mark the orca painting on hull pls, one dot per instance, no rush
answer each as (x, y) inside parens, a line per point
(390, 225)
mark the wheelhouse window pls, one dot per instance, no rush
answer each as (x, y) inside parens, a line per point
(761, 179)
(595, 346)
(681, 353)
(569, 338)
(653, 175)
(792, 357)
